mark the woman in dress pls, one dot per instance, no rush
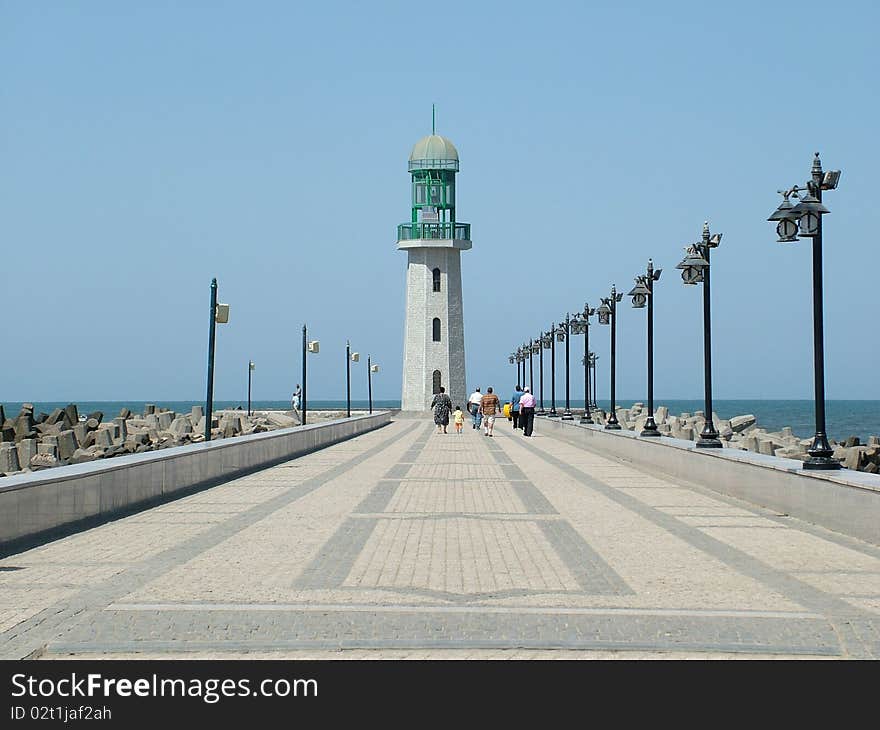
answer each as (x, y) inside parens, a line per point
(442, 405)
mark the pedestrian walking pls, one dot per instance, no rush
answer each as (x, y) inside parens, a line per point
(458, 419)
(527, 411)
(489, 407)
(474, 407)
(514, 406)
(442, 405)
(295, 398)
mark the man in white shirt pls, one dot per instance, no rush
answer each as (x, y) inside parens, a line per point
(476, 398)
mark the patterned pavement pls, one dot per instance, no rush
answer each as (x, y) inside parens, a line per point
(407, 543)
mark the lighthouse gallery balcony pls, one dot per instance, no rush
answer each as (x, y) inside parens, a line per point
(435, 231)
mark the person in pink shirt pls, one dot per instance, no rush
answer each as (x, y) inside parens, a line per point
(527, 411)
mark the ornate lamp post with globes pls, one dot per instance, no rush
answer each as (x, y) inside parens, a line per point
(532, 351)
(607, 312)
(543, 344)
(552, 337)
(581, 325)
(564, 333)
(695, 269)
(643, 293)
(593, 358)
(804, 220)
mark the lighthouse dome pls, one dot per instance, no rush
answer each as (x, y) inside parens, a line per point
(433, 152)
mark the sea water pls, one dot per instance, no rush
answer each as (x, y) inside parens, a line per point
(844, 418)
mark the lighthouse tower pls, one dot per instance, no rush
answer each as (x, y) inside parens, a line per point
(433, 347)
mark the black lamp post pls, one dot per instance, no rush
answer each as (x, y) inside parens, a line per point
(250, 370)
(804, 220)
(552, 336)
(608, 314)
(580, 324)
(695, 268)
(643, 293)
(307, 347)
(531, 367)
(350, 357)
(347, 379)
(593, 358)
(543, 344)
(565, 332)
(370, 370)
(219, 315)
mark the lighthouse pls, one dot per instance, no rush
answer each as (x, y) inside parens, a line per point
(433, 346)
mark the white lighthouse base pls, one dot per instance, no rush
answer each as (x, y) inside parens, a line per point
(423, 357)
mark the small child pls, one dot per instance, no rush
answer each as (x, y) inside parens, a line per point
(458, 419)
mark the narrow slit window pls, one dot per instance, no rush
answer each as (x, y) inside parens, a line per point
(436, 382)
(436, 274)
(436, 329)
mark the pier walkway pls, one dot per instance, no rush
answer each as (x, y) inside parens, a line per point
(406, 543)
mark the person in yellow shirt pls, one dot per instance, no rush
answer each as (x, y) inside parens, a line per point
(458, 419)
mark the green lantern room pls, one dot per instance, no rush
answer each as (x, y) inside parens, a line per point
(433, 164)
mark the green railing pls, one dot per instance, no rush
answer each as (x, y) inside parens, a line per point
(438, 231)
(433, 165)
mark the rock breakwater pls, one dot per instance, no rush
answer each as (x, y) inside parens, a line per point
(744, 433)
(33, 441)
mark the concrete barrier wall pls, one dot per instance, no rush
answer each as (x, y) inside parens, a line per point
(844, 500)
(39, 503)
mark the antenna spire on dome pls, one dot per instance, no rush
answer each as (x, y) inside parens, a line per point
(432, 120)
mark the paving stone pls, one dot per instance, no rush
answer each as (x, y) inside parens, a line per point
(407, 540)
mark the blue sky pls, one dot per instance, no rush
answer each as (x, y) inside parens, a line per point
(147, 147)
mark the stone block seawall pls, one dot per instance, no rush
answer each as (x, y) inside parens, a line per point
(36, 505)
(845, 501)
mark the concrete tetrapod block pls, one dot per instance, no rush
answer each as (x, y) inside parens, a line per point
(81, 431)
(8, 458)
(739, 423)
(122, 427)
(281, 421)
(55, 416)
(180, 426)
(26, 449)
(66, 444)
(165, 420)
(197, 413)
(44, 448)
(766, 446)
(103, 438)
(23, 426)
(853, 457)
(80, 456)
